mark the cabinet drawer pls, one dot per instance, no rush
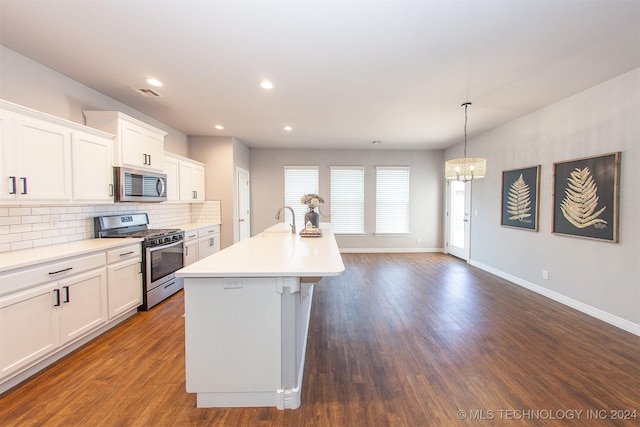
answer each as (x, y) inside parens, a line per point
(14, 280)
(124, 253)
(208, 231)
(190, 234)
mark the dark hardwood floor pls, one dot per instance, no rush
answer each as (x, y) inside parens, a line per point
(398, 340)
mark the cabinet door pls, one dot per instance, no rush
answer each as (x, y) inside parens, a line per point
(154, 149)
(125, 287)
(197, 178)
(172, 170)
(43, 160)
(83, 304)
(29, 327)
(92, 170)
(132, 139)
(7, 163)
(207, 246)
(190, 252)
(186, 182)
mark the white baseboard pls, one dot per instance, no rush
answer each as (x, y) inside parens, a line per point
(616, 321)
(388, 250)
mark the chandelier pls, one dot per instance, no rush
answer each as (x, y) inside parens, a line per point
(467, 168)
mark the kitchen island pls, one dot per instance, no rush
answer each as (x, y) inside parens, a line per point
(247, 312)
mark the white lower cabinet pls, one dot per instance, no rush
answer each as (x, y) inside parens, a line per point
(82, 302)
(29, 327)
(208, 241)
(190, 252)
(55, 306)
(125, 279)
(35, 322)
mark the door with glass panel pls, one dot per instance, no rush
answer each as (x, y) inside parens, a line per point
(458, 219)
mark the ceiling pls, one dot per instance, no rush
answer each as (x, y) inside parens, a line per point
(346, 73)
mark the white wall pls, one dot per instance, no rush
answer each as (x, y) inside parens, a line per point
(598, 277)
(267, 192)
(29, 83)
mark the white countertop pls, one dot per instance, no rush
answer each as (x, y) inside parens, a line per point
(194, 225)
(274, 253)
(27, 257)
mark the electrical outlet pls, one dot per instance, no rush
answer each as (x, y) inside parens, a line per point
(233, 283)
(53, 221)
(418, 240)
(545, 274)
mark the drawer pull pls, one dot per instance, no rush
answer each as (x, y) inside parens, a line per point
(126, 253)
(61, 271)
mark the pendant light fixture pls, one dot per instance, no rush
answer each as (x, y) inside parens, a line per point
(467, 168)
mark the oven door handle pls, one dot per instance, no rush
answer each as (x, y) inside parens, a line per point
(160, 247)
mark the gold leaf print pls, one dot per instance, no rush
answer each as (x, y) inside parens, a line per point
(581, 199)
(519, 200)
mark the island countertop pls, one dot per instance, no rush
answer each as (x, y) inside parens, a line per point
(274, 253)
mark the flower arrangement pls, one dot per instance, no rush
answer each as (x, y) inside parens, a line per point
(312, 200)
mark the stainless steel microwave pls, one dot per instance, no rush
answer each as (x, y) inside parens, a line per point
(139, 186)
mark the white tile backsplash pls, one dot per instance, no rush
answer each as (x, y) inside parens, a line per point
(23, 227)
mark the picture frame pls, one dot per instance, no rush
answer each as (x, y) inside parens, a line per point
(586, 197)
(520, 198)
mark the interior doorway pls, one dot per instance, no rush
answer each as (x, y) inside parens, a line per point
(458, 219)
(243, 197)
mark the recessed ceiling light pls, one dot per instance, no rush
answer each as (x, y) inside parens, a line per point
(266, 84)
(219, 127)
(288, 128)
(154, 82)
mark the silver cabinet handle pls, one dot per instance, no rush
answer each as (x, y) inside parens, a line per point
(13, 184)
(24, 185)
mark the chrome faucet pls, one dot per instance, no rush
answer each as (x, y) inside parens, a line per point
(293, 215)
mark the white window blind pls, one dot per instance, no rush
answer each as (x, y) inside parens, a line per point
(347, 200)
(298, 180)
(392, 199)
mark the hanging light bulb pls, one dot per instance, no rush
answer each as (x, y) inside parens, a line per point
(467, 168)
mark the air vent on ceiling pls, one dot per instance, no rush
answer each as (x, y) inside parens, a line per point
(147, 93)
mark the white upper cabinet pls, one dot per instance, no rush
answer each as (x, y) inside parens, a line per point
(92, 170)
(45, 159)
(36, 158)
(172, 170)
(187, 176)
(138, 145)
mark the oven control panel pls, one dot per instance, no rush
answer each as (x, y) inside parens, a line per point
(165, 240)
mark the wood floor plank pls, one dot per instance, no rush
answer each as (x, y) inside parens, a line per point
(398, 340)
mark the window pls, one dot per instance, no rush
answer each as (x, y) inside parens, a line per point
(347, 200)
(392, 199)
(298, 181)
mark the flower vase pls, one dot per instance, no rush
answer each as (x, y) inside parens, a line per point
(312, 217)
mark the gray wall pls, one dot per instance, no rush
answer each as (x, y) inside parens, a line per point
(267, 192)
(598, 277)
(221, 155)
(31, 84)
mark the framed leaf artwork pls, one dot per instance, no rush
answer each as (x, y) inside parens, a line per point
(520, 193)
(586, 197)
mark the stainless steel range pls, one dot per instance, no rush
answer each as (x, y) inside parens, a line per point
(162, 253)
